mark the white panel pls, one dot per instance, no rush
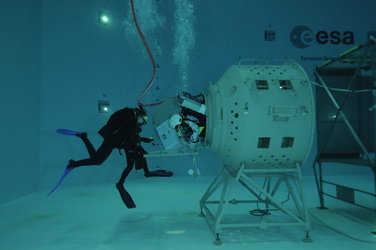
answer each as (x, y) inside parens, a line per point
(168, 136)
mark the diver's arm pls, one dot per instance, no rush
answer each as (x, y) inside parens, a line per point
(147, 140)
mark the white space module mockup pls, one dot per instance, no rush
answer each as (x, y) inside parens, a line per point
(259, 118)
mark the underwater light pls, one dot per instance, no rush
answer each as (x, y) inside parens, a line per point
(103, 18)
(103, 106)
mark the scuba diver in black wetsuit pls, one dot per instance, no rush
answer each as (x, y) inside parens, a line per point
(121, 131)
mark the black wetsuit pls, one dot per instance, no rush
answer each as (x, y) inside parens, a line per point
(122, 131)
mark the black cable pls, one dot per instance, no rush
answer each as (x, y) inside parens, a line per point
(288, 198)
(263, 212)
(258, 211)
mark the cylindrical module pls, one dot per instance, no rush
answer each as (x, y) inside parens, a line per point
(261, 114)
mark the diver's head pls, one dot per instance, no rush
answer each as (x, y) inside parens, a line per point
(141, 115)
(175, 120)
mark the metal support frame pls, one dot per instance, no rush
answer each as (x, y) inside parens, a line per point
(217, 201)
(359, 57)
(175, 152)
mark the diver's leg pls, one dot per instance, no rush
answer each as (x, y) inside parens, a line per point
(142, 163)
(156, 173)
(97, 158)
(128, 169)
(90, 148)
(125, 196)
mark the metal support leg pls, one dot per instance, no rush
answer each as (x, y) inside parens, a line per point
(269, 180)
(307, 239)
(321, 191)
(218, 241)
(212, 188)
(374, 179)
(304, 206)
(216, 200)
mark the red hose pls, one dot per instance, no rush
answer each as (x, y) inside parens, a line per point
(151, 58)
(152, 104)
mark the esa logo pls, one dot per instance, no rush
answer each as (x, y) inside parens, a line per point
(302, 36)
